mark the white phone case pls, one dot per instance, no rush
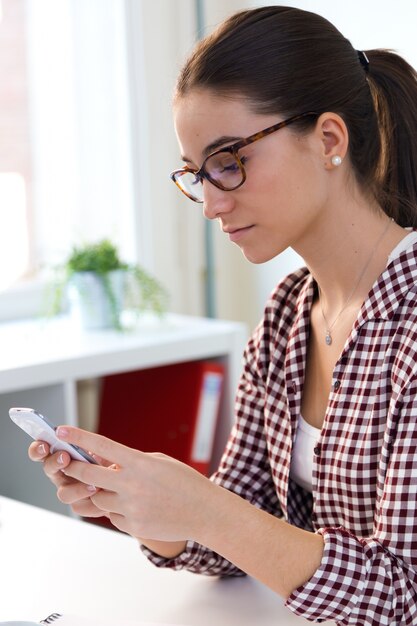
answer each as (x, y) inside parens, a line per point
(38, 427)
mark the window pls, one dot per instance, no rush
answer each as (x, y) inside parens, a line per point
(15, 157)
(14, 239)
(65, 149)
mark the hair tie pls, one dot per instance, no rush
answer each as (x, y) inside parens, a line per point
(364, 61)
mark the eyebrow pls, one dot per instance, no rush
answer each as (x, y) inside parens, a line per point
(221, 141)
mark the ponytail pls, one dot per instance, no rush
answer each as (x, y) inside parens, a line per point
(393, 84)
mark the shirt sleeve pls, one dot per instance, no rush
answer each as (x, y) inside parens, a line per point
(244, 468)
(372, 581)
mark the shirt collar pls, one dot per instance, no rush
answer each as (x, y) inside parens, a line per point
(390, 289)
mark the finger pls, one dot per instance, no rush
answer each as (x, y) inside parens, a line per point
(102, 446)
(38, 451)
(86, 508)
(119, 521)
(55, 463)
(89, 474)
(73, 492)
(106, 501)
(100, 460)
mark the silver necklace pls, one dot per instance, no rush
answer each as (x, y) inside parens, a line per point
(328, 337)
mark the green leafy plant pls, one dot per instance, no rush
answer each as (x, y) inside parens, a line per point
(142, 291)
(101, 257)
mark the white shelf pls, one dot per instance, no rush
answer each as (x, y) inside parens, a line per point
(37, 353)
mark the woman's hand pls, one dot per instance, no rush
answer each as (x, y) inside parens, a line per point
(165, 502)
(69, 491)
(146, 495)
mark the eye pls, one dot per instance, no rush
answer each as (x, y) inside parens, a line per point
(223, 162)
(232, 167)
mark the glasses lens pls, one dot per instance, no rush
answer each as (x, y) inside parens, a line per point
(223, 168)
(190, 184)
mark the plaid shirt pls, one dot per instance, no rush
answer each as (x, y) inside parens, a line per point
(364, 500)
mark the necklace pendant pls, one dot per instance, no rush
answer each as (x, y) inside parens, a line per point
(328, 338)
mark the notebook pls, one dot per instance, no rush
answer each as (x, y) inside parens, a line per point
(77, 620)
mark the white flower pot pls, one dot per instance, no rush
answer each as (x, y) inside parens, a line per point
(96, 301)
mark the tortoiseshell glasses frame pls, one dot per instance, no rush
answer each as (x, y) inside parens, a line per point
(224, 168)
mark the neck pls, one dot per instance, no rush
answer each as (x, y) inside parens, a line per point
(351, 254)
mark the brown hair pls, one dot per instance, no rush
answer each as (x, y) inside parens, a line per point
(288, 61)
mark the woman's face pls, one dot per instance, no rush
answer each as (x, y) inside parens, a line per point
(285, 191)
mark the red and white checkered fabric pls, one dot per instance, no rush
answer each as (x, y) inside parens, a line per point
(364, 499)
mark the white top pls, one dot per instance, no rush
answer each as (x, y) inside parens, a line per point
(405, 243)
(306, 436)
(303, 453)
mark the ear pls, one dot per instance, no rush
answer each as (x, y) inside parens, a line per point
(334, 137)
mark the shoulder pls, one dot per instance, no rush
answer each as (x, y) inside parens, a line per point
(289, 293)
(395, 295)
(289, 297)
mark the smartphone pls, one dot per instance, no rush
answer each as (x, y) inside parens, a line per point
(38, 427)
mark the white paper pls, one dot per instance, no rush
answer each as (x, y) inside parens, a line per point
(78, 620)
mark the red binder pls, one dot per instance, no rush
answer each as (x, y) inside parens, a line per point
(171, 409)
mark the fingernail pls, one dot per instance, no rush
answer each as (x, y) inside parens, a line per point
(91, 488)
(62, 432)
(60, 459)
(41, 449)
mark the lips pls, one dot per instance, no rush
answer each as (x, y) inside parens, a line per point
(235, 234)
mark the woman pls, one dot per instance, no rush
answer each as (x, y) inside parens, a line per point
(291, 138)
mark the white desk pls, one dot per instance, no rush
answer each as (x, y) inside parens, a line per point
(41, 363)
(52, 563)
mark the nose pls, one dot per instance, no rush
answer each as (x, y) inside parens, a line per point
(216, 201)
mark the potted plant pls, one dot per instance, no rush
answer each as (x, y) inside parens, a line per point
(99, 284)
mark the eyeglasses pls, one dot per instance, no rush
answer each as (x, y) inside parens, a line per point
(224, 168)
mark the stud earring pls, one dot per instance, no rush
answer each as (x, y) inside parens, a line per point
(336, 160)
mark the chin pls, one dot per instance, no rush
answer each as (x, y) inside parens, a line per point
(257, 257)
